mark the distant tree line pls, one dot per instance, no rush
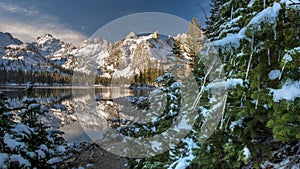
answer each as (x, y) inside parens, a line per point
(20, 77)
(147, 76)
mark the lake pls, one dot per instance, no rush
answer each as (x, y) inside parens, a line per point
(61, 101)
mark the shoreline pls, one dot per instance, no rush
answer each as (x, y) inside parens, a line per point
(70, 86)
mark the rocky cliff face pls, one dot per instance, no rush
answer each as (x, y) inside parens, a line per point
(54, 50)
(139, 53)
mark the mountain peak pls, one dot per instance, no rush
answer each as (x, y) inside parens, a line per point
(7, 39)
(46, 38)
(155, 35)
(96, 42)
(47, 35)
(48, 45)
(131, 35)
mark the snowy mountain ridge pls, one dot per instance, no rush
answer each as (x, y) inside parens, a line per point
(7, 39)
(126, 57)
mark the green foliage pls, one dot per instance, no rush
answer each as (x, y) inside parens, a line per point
(28, 143)
(253, 119)
(172, 90)
(285, 121)
(6, 117)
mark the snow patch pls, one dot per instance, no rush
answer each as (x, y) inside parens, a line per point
(274, 74)
(294, 4)
(288, 55)
(183, 162)
(231, 39)
(289, 91)
(229, 84)
(238, 123)
(22, 161)
(12, 143)
(268, 15)
(246, 153)
(287, 58)
(54, 160)
(251, 3)
(3, 159)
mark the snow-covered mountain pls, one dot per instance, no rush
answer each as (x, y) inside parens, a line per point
(126, 58)
(18, 56)
(93, 49)
(23, 57)
(134, 54)
(55, 50)
(137, 53)
(7, 39)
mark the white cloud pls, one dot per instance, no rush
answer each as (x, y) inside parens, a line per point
(27, 23)
(29, 32)
(17, 9)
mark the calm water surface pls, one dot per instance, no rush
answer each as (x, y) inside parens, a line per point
(56, 95)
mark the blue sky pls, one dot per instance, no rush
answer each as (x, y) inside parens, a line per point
(73, 21)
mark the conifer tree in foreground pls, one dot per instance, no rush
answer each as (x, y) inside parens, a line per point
(6, 121)
(30, 144)
(258, 41)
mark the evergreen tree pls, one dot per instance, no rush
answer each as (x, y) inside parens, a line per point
(29, 143)
(172, 90)
(194, 34)
(6, 120)
(253, 38)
